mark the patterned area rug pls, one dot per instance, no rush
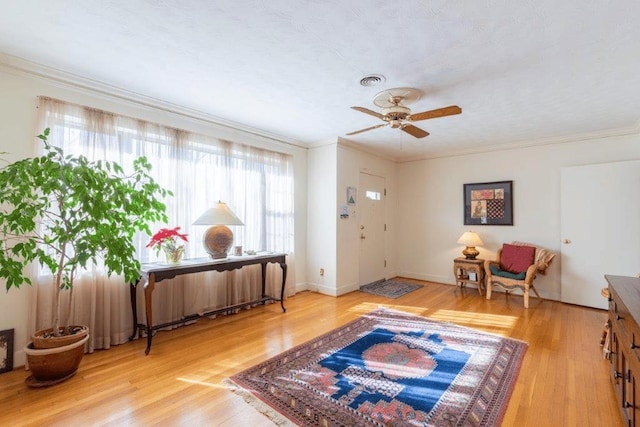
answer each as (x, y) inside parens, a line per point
(390, 288)
(388, 368)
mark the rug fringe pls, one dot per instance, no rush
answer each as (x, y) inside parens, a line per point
(266, 410)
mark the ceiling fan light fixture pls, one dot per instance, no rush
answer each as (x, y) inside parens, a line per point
(398, 116)
(397, 110)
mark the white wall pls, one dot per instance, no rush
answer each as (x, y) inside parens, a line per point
(350, 163)
(17, 119)
(333, 243)
(321, 222)
(430, 218)
(17, 130)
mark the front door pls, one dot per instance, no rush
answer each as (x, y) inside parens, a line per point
(372, 228)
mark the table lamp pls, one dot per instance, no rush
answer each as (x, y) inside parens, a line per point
(218, 238)
(470, 240)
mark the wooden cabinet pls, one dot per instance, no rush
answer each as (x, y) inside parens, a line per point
(624, 318)
(469, 271)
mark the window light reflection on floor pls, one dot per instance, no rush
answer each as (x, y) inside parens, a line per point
(198, 382)
(497, 323)
(367, 307)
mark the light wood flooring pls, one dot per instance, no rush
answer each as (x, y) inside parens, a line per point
(563, 381)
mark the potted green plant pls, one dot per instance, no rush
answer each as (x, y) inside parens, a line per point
(66, 213)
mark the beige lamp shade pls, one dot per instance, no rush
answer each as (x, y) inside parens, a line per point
(218, 239)
(470, 240)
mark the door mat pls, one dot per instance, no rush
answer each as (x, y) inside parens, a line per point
(390, 288)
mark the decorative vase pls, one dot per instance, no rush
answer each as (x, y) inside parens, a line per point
(174, 255)
(51, 366)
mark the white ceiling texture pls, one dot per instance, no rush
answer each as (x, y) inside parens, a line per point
(524, 72)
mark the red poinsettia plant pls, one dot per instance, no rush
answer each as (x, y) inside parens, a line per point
(167, 239)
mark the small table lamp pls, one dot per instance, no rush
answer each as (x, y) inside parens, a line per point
(470, 240)
(218, 239)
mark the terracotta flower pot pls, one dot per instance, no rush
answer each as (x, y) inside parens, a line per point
(53, 365)
(43, 338)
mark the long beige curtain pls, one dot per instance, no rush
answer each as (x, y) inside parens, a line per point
(257, 185)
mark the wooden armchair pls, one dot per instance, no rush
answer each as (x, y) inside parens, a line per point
(515, 267)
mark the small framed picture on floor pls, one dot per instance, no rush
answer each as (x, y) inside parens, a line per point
(6, 350)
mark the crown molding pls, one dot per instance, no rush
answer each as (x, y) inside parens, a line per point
(531, 143)
(363, 149)
(89, 86)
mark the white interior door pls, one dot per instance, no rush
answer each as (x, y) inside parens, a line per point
(372, 228)
(600, 228)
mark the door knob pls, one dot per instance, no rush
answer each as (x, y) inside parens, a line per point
(566, 241)
(362, 236)
(362, 227)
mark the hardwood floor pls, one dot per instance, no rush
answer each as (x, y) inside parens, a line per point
(563, 381)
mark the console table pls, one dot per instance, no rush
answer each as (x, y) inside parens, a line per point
(624, 341)
(156, 272)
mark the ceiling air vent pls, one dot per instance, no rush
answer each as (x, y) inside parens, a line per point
(372, 80)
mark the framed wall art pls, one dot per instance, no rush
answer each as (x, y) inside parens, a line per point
(488, 203)
(6, 350)
(352, 194)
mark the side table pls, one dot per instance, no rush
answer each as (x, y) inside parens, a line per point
(469, 271)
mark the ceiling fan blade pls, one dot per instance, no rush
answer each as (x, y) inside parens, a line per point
(414, 131)
(367, 111)
(433, 114)
(366, 129)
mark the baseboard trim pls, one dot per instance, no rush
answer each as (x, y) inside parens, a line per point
(425, 277)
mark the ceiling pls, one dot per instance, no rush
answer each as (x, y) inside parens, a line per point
(523, 72)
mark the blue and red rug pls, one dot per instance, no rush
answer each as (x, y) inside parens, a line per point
(388, 368)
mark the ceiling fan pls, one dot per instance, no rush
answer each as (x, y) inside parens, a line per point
(399, 116)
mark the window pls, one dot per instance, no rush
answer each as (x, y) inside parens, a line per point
(257, 184)
(372, 195)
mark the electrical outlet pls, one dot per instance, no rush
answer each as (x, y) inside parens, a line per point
(322, 271)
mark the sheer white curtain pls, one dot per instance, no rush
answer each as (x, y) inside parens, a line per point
(257, 185)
